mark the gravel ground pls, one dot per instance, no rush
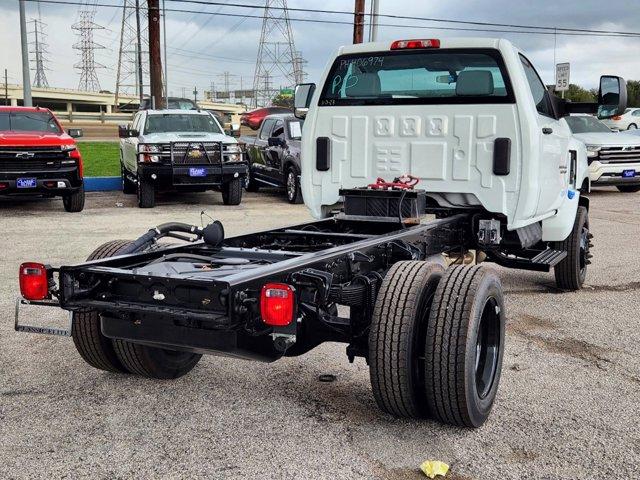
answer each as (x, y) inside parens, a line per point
(567, 406)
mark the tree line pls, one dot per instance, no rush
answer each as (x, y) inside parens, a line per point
(578, 94)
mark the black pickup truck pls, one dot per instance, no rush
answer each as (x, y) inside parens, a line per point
(274, 155)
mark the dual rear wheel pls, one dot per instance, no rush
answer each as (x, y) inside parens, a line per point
(436, 342)
(120, 356)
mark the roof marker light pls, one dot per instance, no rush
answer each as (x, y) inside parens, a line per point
(415, 43)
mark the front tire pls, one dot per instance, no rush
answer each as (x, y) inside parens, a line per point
(74, 202)
(232, 192)
(571, 272)
(294, 192)
(628, 188)
(251, 184)
(146, 194)
(153, 362)
(128, 187)
(465, 346)
(397, 337)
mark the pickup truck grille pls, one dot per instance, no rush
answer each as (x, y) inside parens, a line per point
(619, 154)
(194, 153)
(23, 159)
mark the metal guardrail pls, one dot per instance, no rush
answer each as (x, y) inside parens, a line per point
(100, 117)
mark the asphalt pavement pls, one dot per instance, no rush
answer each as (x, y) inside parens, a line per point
(568, 405)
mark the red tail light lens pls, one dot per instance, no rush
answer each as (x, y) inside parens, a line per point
(34, 284)
(277, 304)
(409, 44)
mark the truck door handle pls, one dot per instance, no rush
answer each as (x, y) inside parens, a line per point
(547, 130)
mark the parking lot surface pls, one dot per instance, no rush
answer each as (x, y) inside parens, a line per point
(567, 408)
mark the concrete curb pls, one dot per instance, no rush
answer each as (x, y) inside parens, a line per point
(102, 184)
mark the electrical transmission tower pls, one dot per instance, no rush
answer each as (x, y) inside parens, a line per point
(85, 26)
(277, 55)
(39, 51)
(127, 75)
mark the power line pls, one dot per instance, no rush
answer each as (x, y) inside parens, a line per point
(537, 29)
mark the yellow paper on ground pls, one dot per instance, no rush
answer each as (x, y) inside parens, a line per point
(431, 468)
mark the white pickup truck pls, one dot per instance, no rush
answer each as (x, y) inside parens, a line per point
(473, 120)
(182, 150)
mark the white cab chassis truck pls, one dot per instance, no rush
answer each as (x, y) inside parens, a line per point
(496, 164)
(473, 120)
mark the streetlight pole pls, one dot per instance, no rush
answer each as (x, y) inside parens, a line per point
(26, 77)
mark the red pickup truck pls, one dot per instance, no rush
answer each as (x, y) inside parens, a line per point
(37, 157)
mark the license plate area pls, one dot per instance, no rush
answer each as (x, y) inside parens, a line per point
(26, 183)
(197, 172)
(628, 173)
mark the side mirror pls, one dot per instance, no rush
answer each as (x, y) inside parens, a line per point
(124, 131)
(612, 96)
(275, 141)
(75, 132)
(302, 99)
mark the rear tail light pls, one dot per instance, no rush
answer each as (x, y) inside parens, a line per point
(34, 284)
(4, 185)
(409, 44)
(277, 304)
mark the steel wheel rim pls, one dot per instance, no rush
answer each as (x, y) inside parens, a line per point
(584, 249)
(487, 348)
(291, 185)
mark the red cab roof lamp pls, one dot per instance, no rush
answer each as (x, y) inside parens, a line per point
(415, 44)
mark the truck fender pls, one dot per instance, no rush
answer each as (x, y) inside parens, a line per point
(558, 227)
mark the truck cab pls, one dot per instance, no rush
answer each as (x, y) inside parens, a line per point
(470, 117)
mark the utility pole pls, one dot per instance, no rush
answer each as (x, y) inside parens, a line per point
(373, 21)
(358, 22)
(155, 55)
(6, 87)
(195, 95)
(139, 52)
(26, 80)
(166, 75)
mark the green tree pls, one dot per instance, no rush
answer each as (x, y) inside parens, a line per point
(633, 93)
(283, 100)
(578, 94)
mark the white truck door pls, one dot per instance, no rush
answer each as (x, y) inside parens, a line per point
(131, 144)
(554, 141)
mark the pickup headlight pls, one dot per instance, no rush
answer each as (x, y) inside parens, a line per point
(146, 149)
(592, 151)
(233, 152)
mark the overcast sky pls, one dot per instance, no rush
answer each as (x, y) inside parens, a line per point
(202, 47)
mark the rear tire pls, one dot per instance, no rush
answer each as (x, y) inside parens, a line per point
(571, 272)
(232, 192)
(628, 188)
(292, 184)
(397, 337)
(464, 346)
(632, 126)
(74, 202)
(94, 348)
(153, 362)
(146, 194)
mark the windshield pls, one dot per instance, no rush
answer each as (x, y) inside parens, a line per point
(418, 77)
(295, 129)
(177, 122)
(586, 124)
(29, 122)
